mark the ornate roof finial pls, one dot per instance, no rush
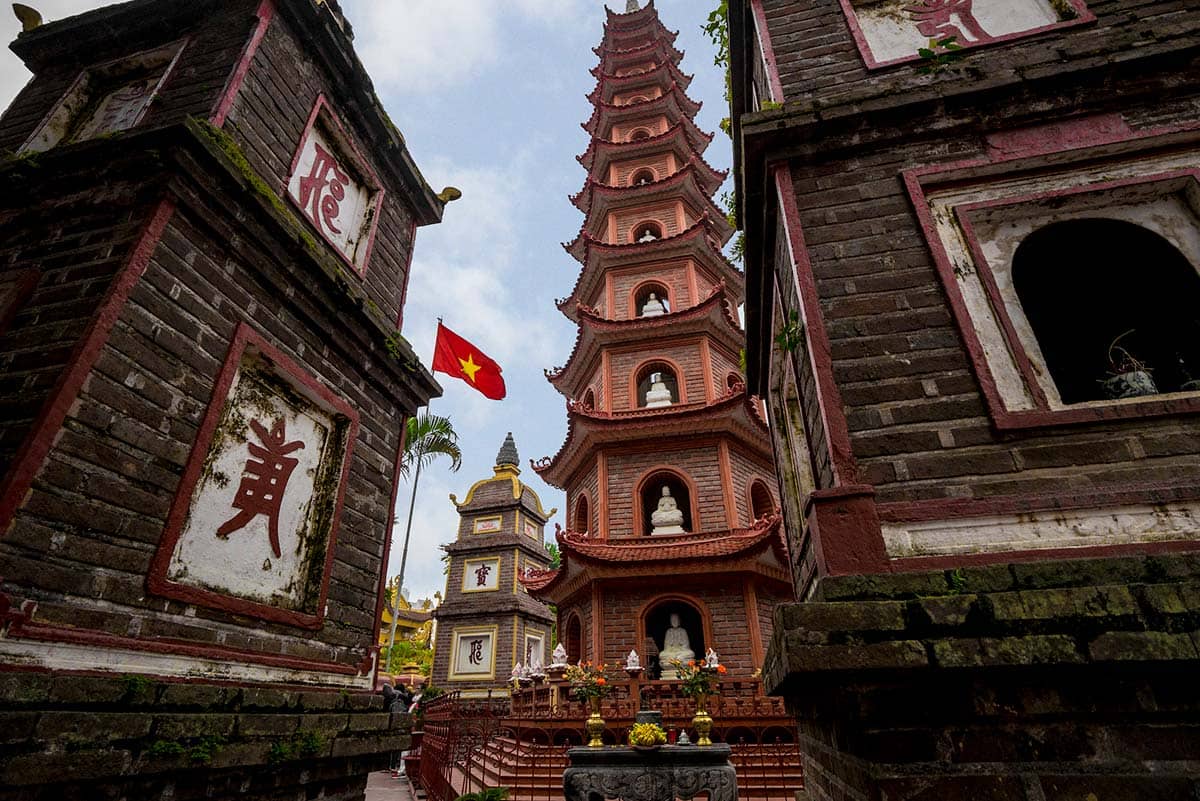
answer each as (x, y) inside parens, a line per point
(631, 6)
(508, 452)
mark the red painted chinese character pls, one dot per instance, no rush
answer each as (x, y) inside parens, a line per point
(476, 655)
(481, 575)
(265, 478)
(933, 18)
(325, 176)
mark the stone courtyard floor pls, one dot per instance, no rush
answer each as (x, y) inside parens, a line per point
(382, 787)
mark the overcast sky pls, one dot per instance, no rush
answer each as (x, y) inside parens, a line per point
(490, 96)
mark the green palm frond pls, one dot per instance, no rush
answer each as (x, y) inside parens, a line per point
(430, 436)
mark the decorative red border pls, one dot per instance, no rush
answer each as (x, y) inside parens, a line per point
(23, 282)
(265, 13)
(360, 163)
(157, 581)
(829, 397)
(1083, 16)
(36, 447)
(1077, 135)
(768, 50)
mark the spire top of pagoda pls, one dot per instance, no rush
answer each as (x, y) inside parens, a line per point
(508, 453)
(631, 6)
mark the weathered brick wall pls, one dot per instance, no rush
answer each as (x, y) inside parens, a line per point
(82, 737)
(217, 34)
(748, 468)
(819, 63)
(1035, 681)
(585, 482)
(267, 120)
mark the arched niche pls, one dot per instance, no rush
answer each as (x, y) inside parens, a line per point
(650, 493)
(1106, 296)
(733, 379)
(572, 638)
(638, 134)
(643, 306)
(644, 380)
(589, 398)
(581, 518)
(693, 619)
(647, 231)
(644, 175)
(762, 502)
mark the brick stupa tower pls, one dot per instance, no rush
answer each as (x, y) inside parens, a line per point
(488, 623)
(656, 403)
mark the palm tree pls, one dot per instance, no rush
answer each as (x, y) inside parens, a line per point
(427, 436)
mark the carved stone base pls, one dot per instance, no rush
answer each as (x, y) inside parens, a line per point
(663, 774)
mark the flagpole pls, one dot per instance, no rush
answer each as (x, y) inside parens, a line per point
(404, 553)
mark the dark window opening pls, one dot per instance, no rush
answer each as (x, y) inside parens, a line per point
(647, 232)
(651, 301)
(653, 380)
(639, 134)
(1107, 297)
(658, 622)
(642, 176)
(762, 504)
(583, 518)
(652, 499)
(573, 642)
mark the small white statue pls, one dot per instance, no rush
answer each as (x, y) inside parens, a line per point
(632, 662)
(559, 657)
(676, 646)
(667, 519)
(516, 672)
(653, 307)
(658, 395)
(711, 660)
(648, 236)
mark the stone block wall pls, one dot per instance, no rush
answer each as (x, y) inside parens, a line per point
(1056, 681)
(87, 737)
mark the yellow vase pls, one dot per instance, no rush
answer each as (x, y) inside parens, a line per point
(595, 725)
(702, 722)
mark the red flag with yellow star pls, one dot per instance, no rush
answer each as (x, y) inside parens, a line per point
(454, 355)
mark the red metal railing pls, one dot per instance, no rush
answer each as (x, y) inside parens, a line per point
(521, 742)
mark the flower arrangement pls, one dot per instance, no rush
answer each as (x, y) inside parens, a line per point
(588, 681)
(698, 678)
(646, 735)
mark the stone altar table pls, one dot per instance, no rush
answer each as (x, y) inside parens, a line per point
(663, 774)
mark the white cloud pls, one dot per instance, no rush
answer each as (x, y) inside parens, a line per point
(428, 45)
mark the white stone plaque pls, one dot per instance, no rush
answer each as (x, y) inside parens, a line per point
(474, 653)
(332, 196)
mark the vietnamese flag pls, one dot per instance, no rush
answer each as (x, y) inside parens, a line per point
(454, 355)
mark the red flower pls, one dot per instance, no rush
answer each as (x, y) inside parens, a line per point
(601, 681)
(691, 663)
(721, 669)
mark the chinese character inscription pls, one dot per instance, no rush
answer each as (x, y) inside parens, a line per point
(263, 481)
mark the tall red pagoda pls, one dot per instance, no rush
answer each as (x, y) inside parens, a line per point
(673, 544)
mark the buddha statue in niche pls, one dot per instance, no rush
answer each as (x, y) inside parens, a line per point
(658, 395)
(676, 645)
(653, 307)
(667, 519)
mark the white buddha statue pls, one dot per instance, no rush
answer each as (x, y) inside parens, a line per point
(676, 645)
(659, 395)
(653, 307)
(559, 657)
(647, 236)
(667, 519)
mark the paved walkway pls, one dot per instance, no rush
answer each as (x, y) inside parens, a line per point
(382, 787)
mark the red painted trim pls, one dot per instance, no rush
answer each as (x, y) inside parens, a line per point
(44, 633)
(389, 529)
(763, 30)
(36, 447)
(157, 581)
(829, 398)
(412, 246)
(265, 13)
(371, 178)
(1074, 136)
(921, 563)
(845, 535)
(1083, 16)
(639, 520)
(22, 284)
(952, 508)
